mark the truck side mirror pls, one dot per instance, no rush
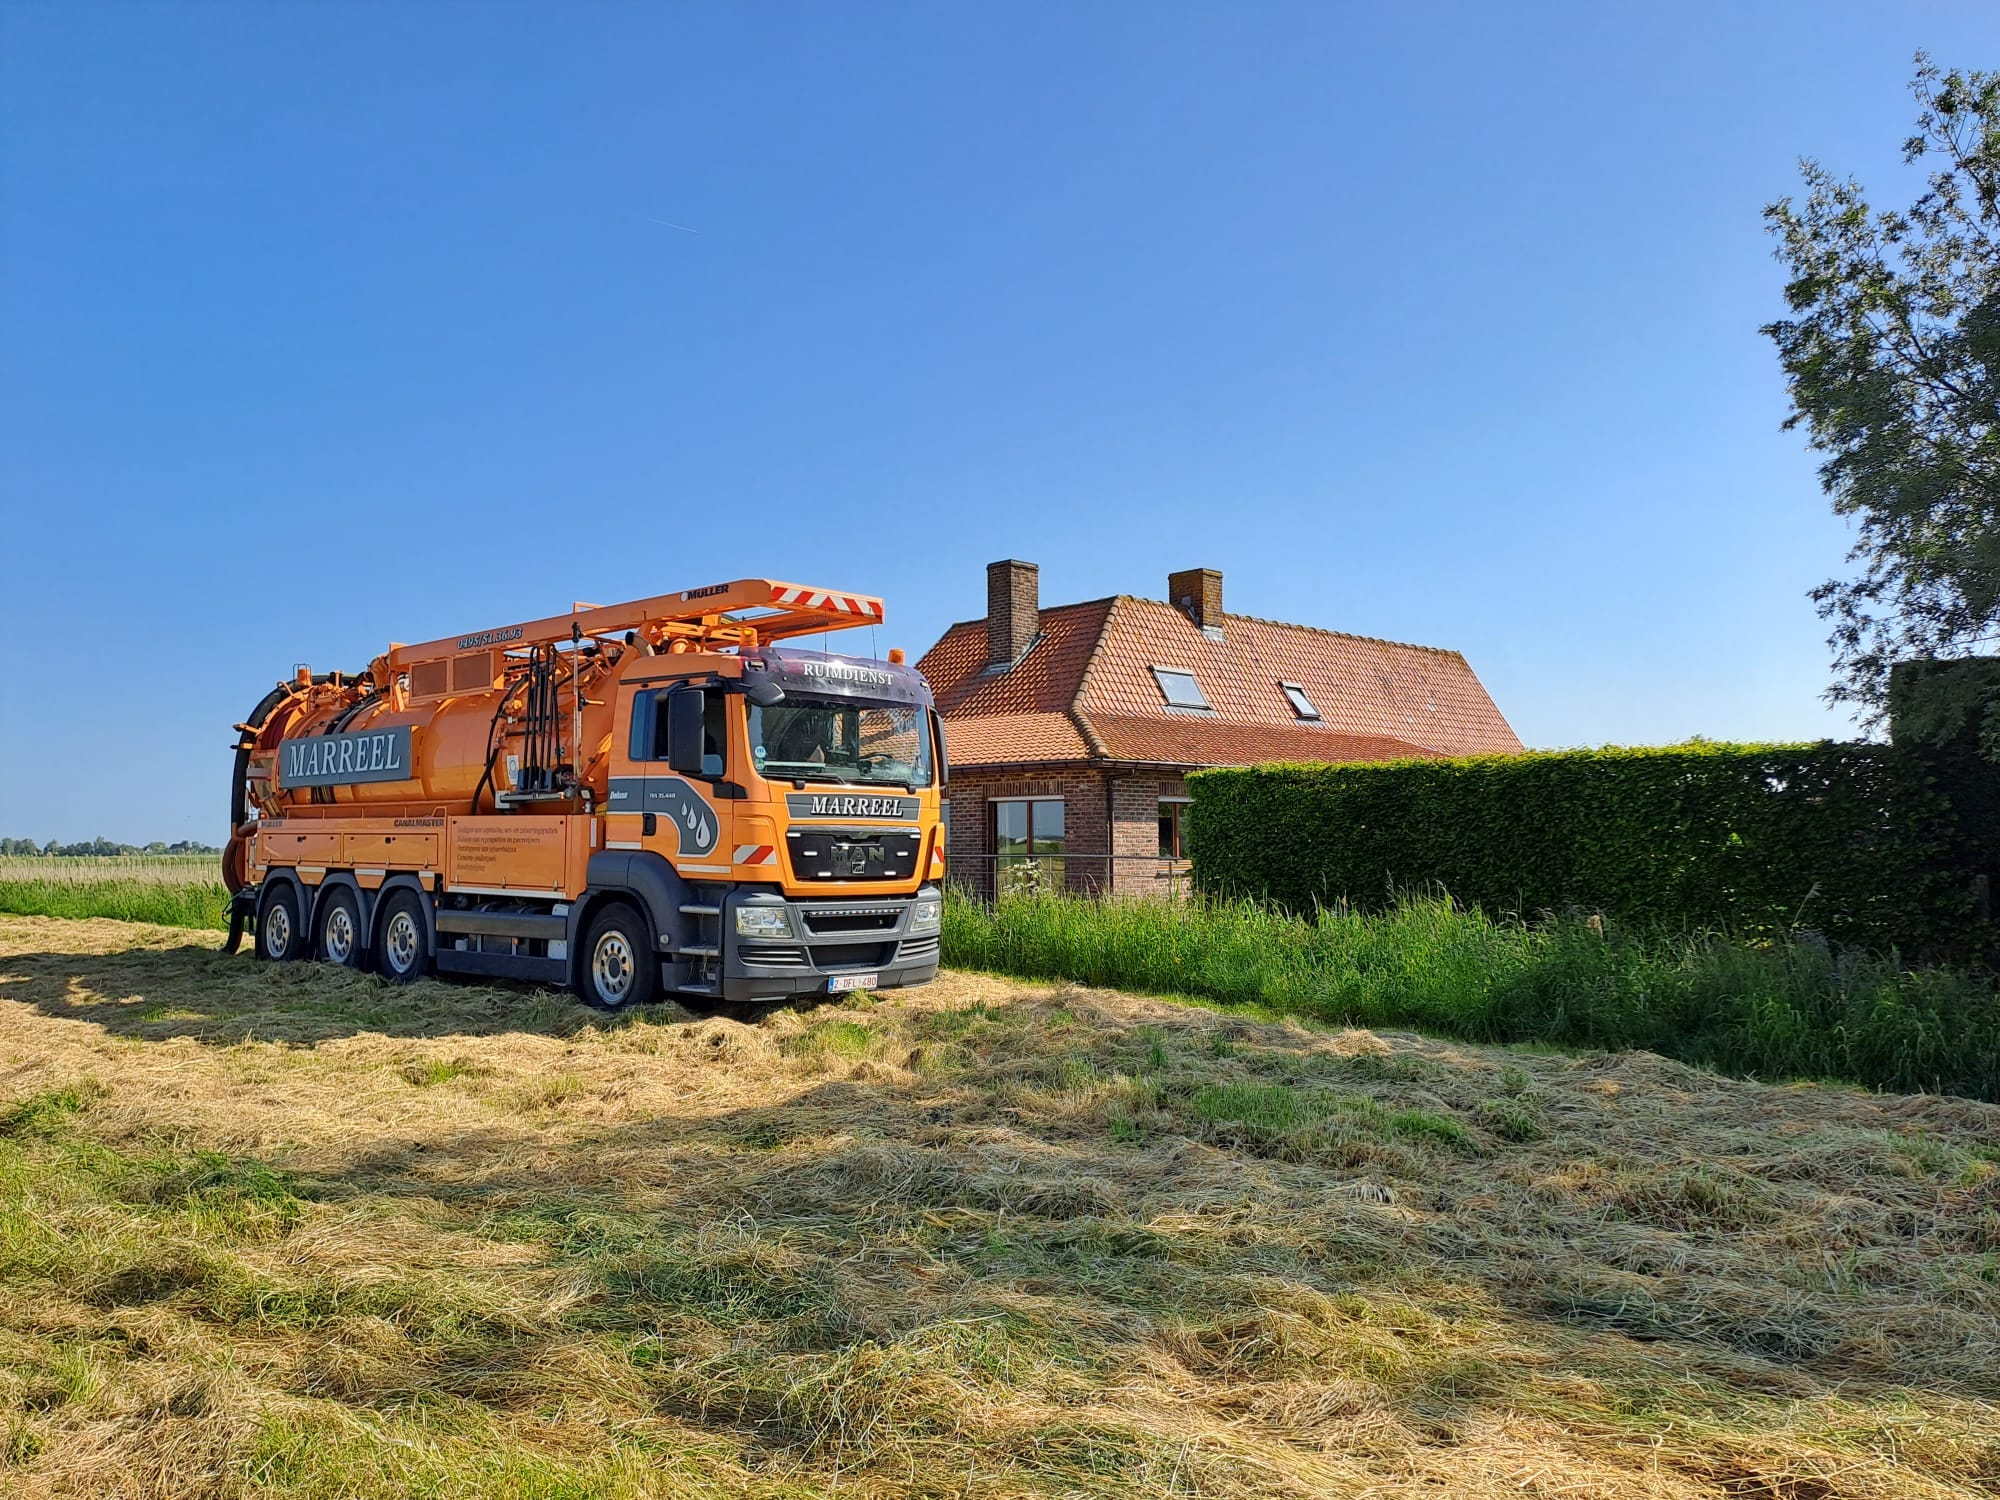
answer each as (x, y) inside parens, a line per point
(764, 693)
(686, 709)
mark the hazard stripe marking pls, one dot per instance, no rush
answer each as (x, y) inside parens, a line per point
(845, 604)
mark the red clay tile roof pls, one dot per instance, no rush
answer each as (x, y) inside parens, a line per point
(1013, 739)
(1086, 690)
(1199, 740)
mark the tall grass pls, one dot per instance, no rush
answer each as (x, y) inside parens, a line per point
(1797, 1008)
(87, 869)
(170, 903)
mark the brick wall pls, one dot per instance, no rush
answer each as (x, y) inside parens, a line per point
(1013, 609)
(1127, 830)
(1086, 832)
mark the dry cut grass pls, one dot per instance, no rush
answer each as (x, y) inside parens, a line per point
(285, 1232)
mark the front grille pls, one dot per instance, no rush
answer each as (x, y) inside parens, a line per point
(828, 921)
(852, 854)
(919, 950)
(852, 955)
(772, 955)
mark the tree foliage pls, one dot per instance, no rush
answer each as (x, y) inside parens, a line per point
(99, 848)
(1892, 360)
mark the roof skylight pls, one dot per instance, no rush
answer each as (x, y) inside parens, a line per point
(1301, 704)
(1179, 688)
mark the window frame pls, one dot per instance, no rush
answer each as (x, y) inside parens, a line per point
(1302, 705)
(649, 705)
(1178, 855)
(1051, 861)
(1201, 703)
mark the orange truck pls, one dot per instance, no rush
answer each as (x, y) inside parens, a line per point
(631, 800)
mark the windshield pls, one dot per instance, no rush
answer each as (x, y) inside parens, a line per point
(839, 739)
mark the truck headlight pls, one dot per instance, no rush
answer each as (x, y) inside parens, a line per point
(763, 922)
(926, 913)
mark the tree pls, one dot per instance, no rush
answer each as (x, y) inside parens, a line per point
(1892, 361)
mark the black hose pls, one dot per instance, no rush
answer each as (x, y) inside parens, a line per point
(238, 789)
(346, 716)
(492, 743)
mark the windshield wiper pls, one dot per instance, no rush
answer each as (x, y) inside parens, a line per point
(801, 772)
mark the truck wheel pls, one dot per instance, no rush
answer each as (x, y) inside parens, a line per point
(404, 952)
(281, 932)
(339, 939)
(619, 965)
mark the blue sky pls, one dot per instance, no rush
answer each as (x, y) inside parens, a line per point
(326, 325)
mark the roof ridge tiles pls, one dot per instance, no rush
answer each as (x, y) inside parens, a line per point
(1046, 609)
(1077, 716)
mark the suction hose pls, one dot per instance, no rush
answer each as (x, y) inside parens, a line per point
(233, 854)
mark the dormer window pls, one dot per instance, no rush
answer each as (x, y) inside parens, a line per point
(1301, 704)
(1179, 688)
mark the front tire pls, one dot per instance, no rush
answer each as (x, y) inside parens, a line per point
(620, 968)
(339, 938)
(403, 947)
(281, 931)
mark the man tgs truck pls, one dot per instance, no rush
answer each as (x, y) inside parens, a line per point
(631, 800)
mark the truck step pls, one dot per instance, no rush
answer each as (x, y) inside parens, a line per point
(698, 989)
(699, 952)
(701, 911)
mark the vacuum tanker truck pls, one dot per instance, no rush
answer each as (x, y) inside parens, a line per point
(629, 799)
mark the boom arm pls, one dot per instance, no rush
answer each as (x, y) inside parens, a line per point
(744, 613)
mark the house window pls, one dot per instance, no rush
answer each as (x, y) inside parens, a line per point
(1179, 688)
(1173, 812)
(1028, 839)
(1301, 704)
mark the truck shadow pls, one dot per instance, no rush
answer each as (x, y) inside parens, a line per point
(157, 994)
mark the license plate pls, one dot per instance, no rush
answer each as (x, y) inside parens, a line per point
(841, 982)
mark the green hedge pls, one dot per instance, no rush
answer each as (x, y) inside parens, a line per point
(1850, 840)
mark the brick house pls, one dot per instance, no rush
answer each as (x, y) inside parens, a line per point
(1070, 728)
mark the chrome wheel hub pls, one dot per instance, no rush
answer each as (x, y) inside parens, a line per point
(612, 968)
(340, 935)
(401, 941)
(278, 930)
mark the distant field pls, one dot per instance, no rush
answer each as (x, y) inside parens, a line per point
(164, 869)
(289, 1233)
(174, 891)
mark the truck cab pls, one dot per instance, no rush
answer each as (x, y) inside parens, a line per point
(778, 811)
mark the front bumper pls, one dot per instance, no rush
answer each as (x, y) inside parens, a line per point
(830, 938)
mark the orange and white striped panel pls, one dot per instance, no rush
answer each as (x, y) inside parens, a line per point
(847, 604)
(756, 854)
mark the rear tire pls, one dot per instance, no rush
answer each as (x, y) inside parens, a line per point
(620, 968)
(281, 931)
(338, 940)
(403, 946)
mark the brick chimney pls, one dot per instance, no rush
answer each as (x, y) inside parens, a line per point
(1013, 610)
(1197, 593)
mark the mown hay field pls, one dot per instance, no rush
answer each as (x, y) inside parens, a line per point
(287, 1232)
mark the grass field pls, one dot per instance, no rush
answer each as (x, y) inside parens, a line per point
(151, 869)
(176, 890)
(286, 1232)
(1770, 1010)
(1774, 1011)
